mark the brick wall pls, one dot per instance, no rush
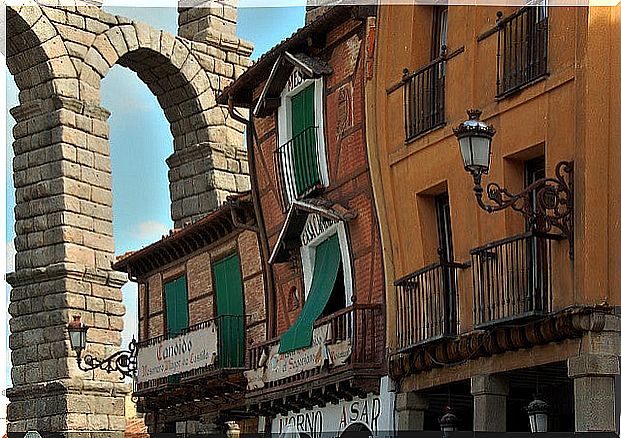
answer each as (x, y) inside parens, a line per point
(201, 297)
(344, 124)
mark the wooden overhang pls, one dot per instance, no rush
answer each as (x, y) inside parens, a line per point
(219, 393)
(290, 233)
(571, 322)
(309, 68)
(316, 392)
(236, 213)
(308, 39)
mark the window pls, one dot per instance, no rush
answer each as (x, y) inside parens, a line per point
(522, 48)
(439, 30)
(327, 279)
(449, 309)
(176, 295)
(230, 311)
(300, 160)
(424, 88)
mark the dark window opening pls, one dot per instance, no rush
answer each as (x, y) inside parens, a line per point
(439, 30)
(336, 301)
(448, 311)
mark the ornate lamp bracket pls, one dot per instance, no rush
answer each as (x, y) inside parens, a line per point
(123, 361)
(545, 204)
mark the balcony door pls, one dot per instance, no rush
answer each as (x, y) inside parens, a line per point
(230, 311)
(445, 250)
(304, 140)
(535, 298)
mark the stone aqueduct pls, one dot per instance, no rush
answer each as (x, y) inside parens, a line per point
(62, 175)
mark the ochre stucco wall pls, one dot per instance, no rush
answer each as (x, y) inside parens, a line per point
(573, 114)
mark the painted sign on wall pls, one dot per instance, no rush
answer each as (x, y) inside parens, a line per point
(182, 353)
(373, 412)
(280, 366)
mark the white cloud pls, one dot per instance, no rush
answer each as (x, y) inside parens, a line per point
(10, 256)
(151, 230)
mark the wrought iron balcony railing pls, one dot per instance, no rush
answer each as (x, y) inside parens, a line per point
(427, 304)
(424, 97)
(512, 278)
(231, 349)
(522, 54)
(297, 166)
(360, 324)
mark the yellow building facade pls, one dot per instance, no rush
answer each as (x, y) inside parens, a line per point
(482, 311)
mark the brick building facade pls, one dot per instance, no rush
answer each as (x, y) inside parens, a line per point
(308, 149)
(207, 274)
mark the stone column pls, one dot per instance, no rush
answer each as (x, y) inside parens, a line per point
(198, 17)
(203, 176)
(411, 407)
(490, 403)
(594, 391)
(63, 225)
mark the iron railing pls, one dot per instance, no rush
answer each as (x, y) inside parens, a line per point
(297, 166)
(362, 324)
(230, 355)
(522, 54)
(424, 97)
(512, 278)
(427, 304)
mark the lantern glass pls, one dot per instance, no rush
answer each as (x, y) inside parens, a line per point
(77, 334)
(538, 422)
(78, 339)
(475, 151)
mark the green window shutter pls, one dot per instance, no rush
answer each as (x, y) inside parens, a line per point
(304, 140)
(177, 317)
(230, 306)
(176, 294)
(327, 262)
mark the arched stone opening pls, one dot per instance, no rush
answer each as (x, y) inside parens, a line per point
(207, 145)
(62, 176)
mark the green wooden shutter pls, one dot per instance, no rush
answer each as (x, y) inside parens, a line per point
(304, 140)
(177, 317)
(327, 262)
(230, 307)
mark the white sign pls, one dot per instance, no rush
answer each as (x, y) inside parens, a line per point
(282, 365)
(182, 353)
(374, 412)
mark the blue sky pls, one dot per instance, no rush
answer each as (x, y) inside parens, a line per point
(140, 138)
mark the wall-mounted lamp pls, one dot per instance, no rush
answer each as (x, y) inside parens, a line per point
(123, 361)
(545, 204)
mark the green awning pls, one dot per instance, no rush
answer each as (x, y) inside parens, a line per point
(327, 262)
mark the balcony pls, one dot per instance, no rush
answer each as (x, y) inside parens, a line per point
(424, 98)
(427, 305)
(297, 166)
(522, 55)
(512, 278)
(355, 345)
(211, 349)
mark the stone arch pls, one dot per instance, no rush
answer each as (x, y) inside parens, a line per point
(62, 175)
(36, 54)
(167, 66)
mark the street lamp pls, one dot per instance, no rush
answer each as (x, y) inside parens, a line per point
(448, 422)
(123, 361)
(538, 415)
(546, 203)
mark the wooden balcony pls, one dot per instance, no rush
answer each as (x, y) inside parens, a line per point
(217, 387)
(360, 326)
